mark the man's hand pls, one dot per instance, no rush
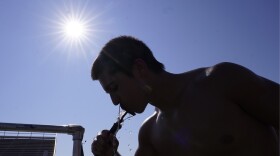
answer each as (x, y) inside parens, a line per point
(105, 144)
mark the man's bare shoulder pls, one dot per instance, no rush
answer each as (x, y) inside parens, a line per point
(222, 68)
(228, 70)
(215, 72)
(222, 73)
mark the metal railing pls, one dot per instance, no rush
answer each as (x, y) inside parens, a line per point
(76, 131)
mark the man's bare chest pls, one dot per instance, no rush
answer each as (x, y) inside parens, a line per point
(206, 123)
(195, 129)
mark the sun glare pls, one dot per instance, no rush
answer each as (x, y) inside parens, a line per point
(74, 29)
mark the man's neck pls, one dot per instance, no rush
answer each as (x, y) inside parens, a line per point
(166, 90)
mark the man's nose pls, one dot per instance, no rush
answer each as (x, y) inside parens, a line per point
(115, 99)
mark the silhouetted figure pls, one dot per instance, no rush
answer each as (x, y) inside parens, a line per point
(222, 110)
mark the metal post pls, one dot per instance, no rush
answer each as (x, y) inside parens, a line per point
(77, 139)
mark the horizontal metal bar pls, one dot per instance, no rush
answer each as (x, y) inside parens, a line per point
(68, 129)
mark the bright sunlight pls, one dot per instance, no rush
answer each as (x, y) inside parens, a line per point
(74, 29)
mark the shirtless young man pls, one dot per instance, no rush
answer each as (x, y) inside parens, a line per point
(223, 110)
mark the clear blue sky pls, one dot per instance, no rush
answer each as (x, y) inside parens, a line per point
(45, 80)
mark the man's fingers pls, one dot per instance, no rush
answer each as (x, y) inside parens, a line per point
(104, 132)
(104, 142)
(101, 139)
(96, 148)
(99, 144)
(114, 141)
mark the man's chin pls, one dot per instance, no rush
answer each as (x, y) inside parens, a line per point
(132, 113)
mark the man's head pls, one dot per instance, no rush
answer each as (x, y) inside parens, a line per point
(119, 54)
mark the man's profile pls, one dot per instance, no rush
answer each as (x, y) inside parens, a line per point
(225, 109)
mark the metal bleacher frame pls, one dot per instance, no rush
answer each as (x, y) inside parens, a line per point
(76, 131)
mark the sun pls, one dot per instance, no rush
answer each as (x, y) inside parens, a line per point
(74, 29)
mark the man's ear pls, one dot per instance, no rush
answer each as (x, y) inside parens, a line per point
(140, 68)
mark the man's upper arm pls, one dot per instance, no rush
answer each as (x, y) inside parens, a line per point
(145, 146)
(258, 96)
